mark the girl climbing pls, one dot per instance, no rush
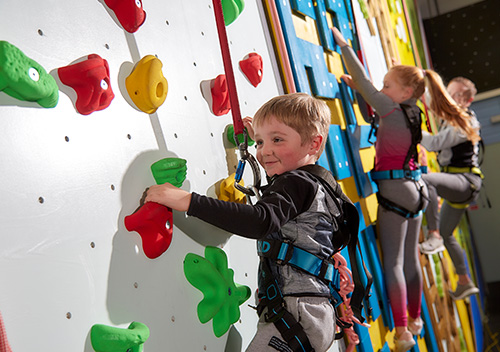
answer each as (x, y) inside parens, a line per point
(458, 145)
(402, 193)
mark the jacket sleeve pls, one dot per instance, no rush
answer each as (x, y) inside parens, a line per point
(378, 100)
(446, 138)
(288, 196)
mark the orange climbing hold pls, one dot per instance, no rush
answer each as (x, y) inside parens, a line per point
(154, 223)
(251, 66)
(90, 80)
(130, 13)
(146, 85)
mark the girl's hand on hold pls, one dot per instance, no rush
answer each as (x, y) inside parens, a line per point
(247, 122)
(348, 80)
(169, 196)
(339, 38)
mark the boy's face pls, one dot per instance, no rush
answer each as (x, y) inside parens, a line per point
(458, 92)
(394, 90)
(280, 148)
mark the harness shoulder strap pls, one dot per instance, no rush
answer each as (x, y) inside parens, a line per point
(414, 123)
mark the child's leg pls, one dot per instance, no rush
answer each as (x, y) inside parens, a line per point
(391, 230)
(450, 217)
(413, 273)
(315, 314)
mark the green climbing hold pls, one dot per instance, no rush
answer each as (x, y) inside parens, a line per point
(221, 295)
(24, 79)
(230, 136)
(171, 170)
(232, 9)
(110, 339)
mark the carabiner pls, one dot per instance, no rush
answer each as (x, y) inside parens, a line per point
(244, 156)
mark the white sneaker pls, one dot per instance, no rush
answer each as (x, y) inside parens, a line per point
(464, 291)
(432, 246)
(415, 326)
(403, 345)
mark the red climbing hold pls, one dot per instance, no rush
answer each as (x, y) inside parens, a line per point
(90, 80)
(220, 96)
(252, 68)
(154, 223)
(129, 12)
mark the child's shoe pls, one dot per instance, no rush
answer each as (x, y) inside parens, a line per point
(415, 326)
(464, 291)
(404, 345)
(432, 246)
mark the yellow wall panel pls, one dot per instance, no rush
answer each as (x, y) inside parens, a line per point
(369, 206)
(305, 28)
(338, 118)
(348, 186)
(401, 33)
(359, 116)
(367, 158)
(334, 64)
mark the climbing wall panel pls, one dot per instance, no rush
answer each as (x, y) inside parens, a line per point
(69, 180)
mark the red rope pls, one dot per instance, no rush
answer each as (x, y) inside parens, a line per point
(228, 68)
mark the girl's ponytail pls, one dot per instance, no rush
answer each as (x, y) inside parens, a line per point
(443, 105)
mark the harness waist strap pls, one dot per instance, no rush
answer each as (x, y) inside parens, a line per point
(396, 174)
(463, 170)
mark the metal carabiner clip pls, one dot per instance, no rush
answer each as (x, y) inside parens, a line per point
(244, 156)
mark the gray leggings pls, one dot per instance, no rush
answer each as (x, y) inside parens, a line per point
(455, 188)
(399, 241)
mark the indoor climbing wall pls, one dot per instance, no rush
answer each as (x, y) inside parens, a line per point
(382, 32)
(92, 94)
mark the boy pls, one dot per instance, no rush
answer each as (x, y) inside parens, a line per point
(290, 133)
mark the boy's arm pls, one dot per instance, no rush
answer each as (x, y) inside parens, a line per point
(283, 201)
(169, 196)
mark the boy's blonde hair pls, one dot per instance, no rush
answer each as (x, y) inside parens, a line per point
(442, 104)
(308, 116)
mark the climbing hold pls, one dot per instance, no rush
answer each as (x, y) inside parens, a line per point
(146, 85)
(25, 79)
(130, 13)
(251, 66)
(154, 223)
(230, 136)
(90, 80)
(229, 193)
(220, 96)
(111, 339)
(171, 170)
(232, 9)
(221, 295)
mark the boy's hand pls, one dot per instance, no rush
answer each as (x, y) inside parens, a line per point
(169, 196)
(247, 122)
(339, 38)
(348, 80)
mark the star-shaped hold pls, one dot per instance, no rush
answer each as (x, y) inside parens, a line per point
(221, 295)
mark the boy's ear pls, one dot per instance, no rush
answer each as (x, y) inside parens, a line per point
(316, 144)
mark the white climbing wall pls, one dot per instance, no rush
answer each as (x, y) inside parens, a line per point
(68, 180)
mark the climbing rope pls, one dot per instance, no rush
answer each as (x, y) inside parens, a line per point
(235, 109)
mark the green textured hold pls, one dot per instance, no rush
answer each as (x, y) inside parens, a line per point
(111, 339)
(230, 136)
(222, 297)
(171, 170)
(24, 79)
(232, 9)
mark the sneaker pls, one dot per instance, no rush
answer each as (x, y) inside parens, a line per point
(432, 246)
(403, 345)
(464, 291)
(415, 326)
